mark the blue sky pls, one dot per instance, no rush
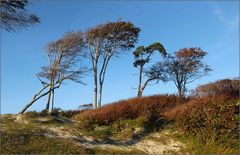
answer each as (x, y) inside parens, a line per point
(211, 25)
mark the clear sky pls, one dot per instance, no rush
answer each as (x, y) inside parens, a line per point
(211, 25)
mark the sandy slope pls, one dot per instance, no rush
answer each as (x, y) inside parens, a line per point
(154, 143)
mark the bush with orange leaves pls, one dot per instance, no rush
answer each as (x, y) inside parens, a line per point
(211, 118)
(220, 93)
(213, 115)
(224, 86)
(151, 107)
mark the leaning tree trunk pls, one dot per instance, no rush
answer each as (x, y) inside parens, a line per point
(140, 82)
(35, 98)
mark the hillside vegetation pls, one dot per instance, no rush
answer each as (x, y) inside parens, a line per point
(200, 123)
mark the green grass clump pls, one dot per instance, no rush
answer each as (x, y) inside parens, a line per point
(99, 150)
(35, 143)
(19, 138)
(99, 134)
(28, 139)
(123, 130)
(33, 114)
(195, 145)
(49, 120)
(6, 119)
(120, 130)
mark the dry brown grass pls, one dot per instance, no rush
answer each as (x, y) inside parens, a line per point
(152, 106)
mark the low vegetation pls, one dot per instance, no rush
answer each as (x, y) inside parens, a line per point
(212, 123)
(19, 138)
(151, 107)
(210, 120)
(197, 124)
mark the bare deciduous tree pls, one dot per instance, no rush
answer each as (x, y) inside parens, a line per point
(103, 42)
(13, 15)
(185, 66)
(142, 56)
(64, 57)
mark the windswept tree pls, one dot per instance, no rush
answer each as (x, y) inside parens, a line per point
(142, 57)
(186, 66)
(13, 15)
(104, 42)
(64, 57)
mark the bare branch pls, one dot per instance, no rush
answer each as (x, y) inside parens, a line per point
(13, 15)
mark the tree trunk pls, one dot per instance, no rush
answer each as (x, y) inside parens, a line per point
(102, 77)
(52, 99)
(180, 92)
(48, 100)
(35, 98)
(100, 94)
(140, 93)
(95, 86)
(140, 82)
(144, 86)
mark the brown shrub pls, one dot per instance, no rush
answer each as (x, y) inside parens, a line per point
(152, 107)
(184, 110)
(210, 118)
(225, 86)
(180, 110)
(212, 94)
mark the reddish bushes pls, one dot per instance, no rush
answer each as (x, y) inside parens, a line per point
(168, 106)
(213, 114)
(210, 118)
(225, 86)
(184, 110)
(152, 106)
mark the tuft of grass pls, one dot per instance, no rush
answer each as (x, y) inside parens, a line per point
(47, 121)
(101, 135)
(120, 130)
(125, 135)
(99, 150)
(18, 138)
(195, 145)
(124, 130)
(70, 113)
(33, 114)
(35, 143)
(5, 119)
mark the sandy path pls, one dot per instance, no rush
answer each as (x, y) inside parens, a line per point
(154, 143)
